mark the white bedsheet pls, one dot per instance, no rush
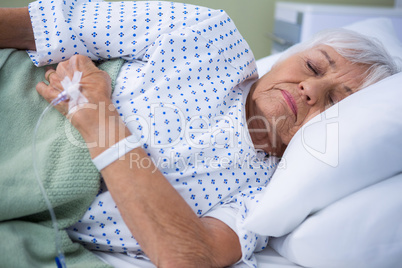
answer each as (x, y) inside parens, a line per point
(268, 258)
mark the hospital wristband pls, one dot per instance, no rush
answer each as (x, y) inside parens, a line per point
(116, 151)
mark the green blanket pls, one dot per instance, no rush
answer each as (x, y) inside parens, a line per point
(68, 175)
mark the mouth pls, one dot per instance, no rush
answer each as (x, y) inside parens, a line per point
(290, 101)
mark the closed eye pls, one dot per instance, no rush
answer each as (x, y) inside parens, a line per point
(312, 68)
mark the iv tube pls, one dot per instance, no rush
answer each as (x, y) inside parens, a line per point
(60, 260)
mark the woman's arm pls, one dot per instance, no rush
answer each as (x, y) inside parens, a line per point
(15, 29)
(161, 221)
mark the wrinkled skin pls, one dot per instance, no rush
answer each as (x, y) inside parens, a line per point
(294, 91)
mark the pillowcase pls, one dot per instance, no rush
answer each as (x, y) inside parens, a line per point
(383, 30)
(265, 64)
(352, 145)
(370, 222)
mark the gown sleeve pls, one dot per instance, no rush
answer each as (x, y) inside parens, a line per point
(104, 30)
(233, 213)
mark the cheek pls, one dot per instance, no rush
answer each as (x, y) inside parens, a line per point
(287, 137)
(286, 129)
(277, 113)
(271, 106)
(281, 123)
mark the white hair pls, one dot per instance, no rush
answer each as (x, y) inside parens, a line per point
(356, 48)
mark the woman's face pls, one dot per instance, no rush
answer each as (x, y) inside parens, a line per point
(294, 91)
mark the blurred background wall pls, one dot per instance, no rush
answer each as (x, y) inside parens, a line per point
(253, 18)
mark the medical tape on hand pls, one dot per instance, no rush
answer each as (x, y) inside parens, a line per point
(116, 151)
(72, 88)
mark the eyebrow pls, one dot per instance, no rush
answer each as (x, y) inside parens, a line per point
(332, 63)
(330, 60)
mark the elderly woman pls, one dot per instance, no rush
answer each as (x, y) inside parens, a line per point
(210, 130)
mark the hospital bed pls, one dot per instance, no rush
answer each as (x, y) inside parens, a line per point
(335, 199)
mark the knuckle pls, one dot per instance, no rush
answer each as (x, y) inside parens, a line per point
(80, 57)
(62, 65)
(104, 73)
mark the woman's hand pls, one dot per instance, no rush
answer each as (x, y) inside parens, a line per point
(95, 85)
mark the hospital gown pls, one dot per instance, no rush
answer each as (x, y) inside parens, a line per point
(182, 90)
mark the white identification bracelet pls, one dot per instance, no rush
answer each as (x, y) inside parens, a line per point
(116, 151)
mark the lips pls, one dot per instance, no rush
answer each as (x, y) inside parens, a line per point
(290, 101)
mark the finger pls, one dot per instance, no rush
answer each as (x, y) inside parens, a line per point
(49, 93)
(53, 77)
(46, 91)
(49, 68)
(49, 73)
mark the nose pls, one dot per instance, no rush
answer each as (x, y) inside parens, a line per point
(312, 91)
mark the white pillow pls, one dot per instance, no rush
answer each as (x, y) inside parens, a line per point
(352, 145)
(363, 146)
(361, 230)
(383, 30)
(265, 64)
